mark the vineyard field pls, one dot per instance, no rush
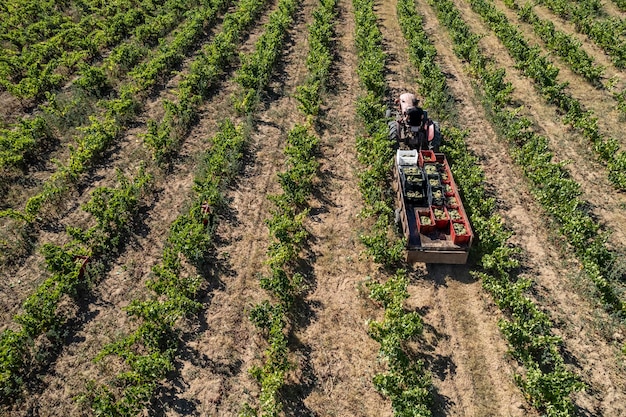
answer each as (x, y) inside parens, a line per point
(197, 219)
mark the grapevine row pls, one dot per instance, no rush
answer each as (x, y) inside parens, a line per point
(605, 33)
(22, 351)
(374, 150)
(405, 382)
(21, 142)
(24, 22)
(164, 137)
(544, 73)
(563, 44)
(318, 60)
(255, 71)
(285, 283)
(22, 14)
(150, 351)
(553, 188)
(126, 55)
(547, 381)
(101, 133)
(33, 70)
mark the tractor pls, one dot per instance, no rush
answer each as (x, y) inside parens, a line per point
(411, 128)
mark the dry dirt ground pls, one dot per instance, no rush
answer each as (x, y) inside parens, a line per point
(334, 357)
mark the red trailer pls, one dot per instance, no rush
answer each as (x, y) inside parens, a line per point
(430, 211)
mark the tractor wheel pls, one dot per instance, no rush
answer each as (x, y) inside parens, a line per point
(393, 131)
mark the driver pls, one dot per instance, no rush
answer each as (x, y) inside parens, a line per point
(412, 114)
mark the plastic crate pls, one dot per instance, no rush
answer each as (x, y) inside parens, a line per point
(426, 157)
(417, 198)
(413, 178)
(418, 202)
(434, 181)
(406, 157)
(446, 178)
(435, 196)
(460, 239)
(430, 170)
(455, 215)
(422, 228)
(441, 223)
(453, 201)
